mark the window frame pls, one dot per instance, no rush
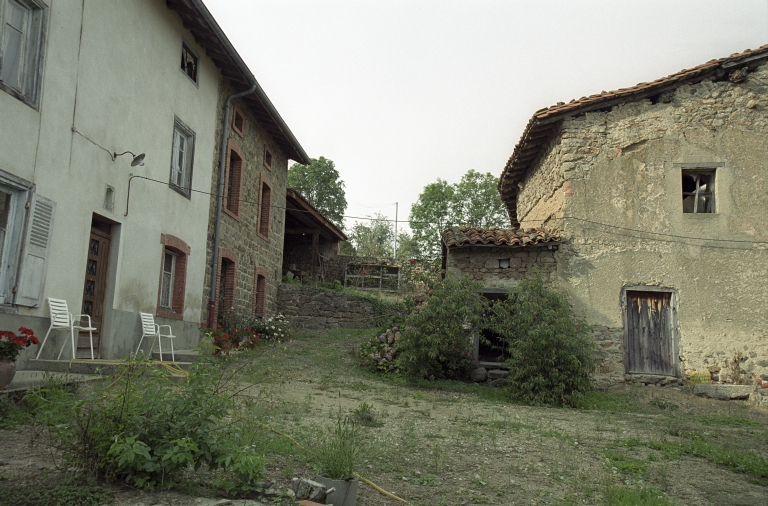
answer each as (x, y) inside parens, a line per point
(233, 174)
(185, 46)
(33, 51)
(697, 171)
(260, 296)
(166, 253)
(239, 130)
(261, 220)
(179, 248)
(10, 256)
(189, 156)
(268, 158)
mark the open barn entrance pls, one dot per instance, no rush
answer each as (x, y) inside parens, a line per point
(489, 348)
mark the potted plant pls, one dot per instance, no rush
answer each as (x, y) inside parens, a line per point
(10, 347)
(335, 459)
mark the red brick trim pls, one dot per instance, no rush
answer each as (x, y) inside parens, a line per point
(268, 158)
(233, 180)
(238, 122)
(182, 250)
(259, 291)
(230, 280)
(265, 207)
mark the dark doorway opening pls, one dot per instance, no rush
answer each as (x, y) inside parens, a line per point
(490, 346)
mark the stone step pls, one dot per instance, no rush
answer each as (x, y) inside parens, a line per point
(88, 366)
(182, 356)
(725, 392)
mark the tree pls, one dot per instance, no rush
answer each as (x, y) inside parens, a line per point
(407, 247)
(473, 201)
(373, 238)
(319, 183)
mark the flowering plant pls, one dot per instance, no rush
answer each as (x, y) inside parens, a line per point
(11, 344)
(379, 353)
(225, 340)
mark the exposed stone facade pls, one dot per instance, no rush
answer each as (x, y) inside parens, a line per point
(319, 309)
(482, 263)
(622, 166)
(240, 224)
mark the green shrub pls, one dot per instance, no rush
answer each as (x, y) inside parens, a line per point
(339, 452)
(550, 349)
(145, 430)
(436, 340)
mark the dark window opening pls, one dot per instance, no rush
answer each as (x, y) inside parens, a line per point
(267, 158)
(265, 207)
(188, 62)
(698, 191)
(234, 178)
(238, 122)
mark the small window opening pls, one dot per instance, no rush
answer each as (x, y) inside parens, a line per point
(238, 122)
(188, 62)
(109, 199)
(267, 158)
(234, 178)
(698, 191)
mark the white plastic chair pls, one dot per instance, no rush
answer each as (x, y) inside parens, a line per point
(61, 318)
(150, 329)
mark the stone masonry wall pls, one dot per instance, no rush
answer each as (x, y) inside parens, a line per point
(319, 309)
(239, 233)
(610, 184)
(482, 264)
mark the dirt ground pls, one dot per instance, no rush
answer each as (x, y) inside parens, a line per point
(435, 446)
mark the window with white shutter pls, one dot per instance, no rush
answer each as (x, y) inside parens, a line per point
(34, 255)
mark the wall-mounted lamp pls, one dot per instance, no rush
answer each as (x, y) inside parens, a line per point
(137, 159)
(503, 263)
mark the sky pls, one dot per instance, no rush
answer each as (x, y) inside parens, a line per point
(399, 93)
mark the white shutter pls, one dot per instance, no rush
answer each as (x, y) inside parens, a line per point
(34, 256)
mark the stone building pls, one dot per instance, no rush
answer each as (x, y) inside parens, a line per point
(251, 223)
(498, 258)
(658, 194)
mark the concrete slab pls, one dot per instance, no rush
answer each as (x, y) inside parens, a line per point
(24, 380)
(87, 366)
(724, 392)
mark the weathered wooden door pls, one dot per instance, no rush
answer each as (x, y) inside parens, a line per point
(95, 289)
(651, 346)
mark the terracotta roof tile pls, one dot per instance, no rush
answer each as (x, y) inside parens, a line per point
(544, 120)
(470, 236)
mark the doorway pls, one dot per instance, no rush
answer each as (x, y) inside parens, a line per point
(95, 288)
(651, 333)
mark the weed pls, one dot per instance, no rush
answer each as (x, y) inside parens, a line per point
(663, 404)
(647, 496)
(625, 463)
(366, 416)
(729, 420)
(337, 455)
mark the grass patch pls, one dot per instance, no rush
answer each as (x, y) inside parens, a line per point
(735, 460)
(626, 464)
(729, 420)
(620, 496)
(60, 495)
(613, 403)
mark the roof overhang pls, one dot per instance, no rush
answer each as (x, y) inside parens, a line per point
(208, 34)
(298, 207)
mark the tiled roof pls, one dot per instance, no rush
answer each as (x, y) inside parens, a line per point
(471, 236)
(544, 122)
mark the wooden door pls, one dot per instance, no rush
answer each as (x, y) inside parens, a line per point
(95, 289)
(651, 343)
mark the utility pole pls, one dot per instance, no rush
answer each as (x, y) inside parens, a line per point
(396, 206)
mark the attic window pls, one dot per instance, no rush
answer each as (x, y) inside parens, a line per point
(698, 191)
(267, 158)
(238, 122)
(189, 62)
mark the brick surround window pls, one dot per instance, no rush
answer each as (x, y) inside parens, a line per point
(259, 292)
(233, 178)
(227, 283)
(265, 208)
(173, 277)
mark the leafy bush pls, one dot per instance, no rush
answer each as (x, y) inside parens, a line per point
(379, 353)
(436, 341)
(146, 430)
(550, 349)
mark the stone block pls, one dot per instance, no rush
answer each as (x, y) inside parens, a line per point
(495, 374)
(479, 374)
(724, 392)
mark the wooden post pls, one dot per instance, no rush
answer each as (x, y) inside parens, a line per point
(315, 247)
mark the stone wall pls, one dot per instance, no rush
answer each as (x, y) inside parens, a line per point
(481, 263)
(609, 183)
(319, 309)
(238, 233)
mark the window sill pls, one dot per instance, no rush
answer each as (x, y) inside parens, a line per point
(169, 314)
(181, 191)
(8, 309)
(264, 237)
(231, 214)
